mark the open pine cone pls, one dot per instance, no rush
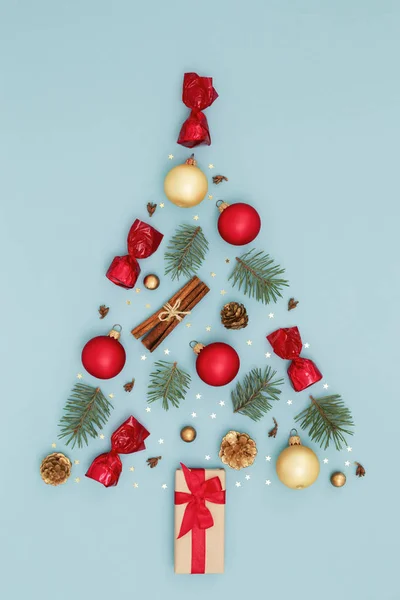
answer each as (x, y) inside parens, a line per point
(55, 468)
(234, 316)
(237, 450)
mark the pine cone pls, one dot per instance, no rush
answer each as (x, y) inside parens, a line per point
(234, 316)
(55, 468)
(237, 450)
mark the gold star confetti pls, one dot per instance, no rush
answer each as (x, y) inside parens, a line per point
(138, 290)
(210, 166)
(227, 260)
(188, 325)
(102, 436)
(132, 469)
(54, 445)
(128, 302)
(210, 196)
(196, 218)
(208, 328)
(161, 205)
(111, 396)
(76, 462)
(223, 292)
(170, 156)
(77, 479)
(79, 376)
(147, 305)
(135, 485)
(213, 274)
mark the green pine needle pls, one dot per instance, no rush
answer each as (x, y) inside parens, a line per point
(327, 419)
(254, 397)
(168, 383)
(260, 278)
(85, 413)
(186, 251)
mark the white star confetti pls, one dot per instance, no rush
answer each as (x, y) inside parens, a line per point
(207, 457)
(111, 396)
(135, 485)
(148, 409)
(77, 479)
(170, 156)
(271, 315)
(289, 402)
(54, 445)
(198, 396)
(160, 441)
(164, 486)
(222, 403)
(213, 416)
(132, 469)
(188, 325)
(326, 386)
(268, 355)
(143, 357)
(194, 415)
(347, 463)
(267, 482)
(208, 328)
(238, 484)
(306, 345)
(196, 218)
(161, 205)
(213, 274)
(79, 376)
(210, 166)
(76, 462)
(223, 292)
(249, 342)
(166, 351)
(247, 477)
(102, 436)
(349, 448)
(210, 196)
(326, 460)
(268, 458)
(138, 290)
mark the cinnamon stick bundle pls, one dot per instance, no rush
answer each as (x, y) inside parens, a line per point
(161, 323)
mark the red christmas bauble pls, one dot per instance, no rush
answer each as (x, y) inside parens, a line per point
(238, 224)
(104, 356)
(217, 364)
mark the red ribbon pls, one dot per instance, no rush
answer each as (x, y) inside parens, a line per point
(197, 517)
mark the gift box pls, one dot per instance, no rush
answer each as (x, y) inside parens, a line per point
(199, 520)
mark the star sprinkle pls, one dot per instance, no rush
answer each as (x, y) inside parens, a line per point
(54, 445)
(210, 166)
(102, 436)
(223, 292)
(306, 345)
(268, 355)
(347, 463)
(249, 342)
(77, 479)
(268, 458)
(207, 457)
(138, 290)
(289, 402)
(160, 441)
(79, 376)
(213, 274)
(170, 156)
(147, 305)
(131, 469)
(238, 484)
(135, 485)
(111, 396)
(161, 205)
(349, 448)
(164, 486)
(210, 196)
(76, 462)
(143, 357)
(188, 325)
(166, 351)
(128, 302)
(196, 218)
(271, 315)
(213, 416)
(198, 396)
(194, 415)
(247, 477)
(208, 328)
(326, 460)
(222, 403)
(326, 386)
(268, 482)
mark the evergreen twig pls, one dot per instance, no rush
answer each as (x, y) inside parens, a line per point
(85, 413)
(327, 419)
(259, 276)
(253, 398)
(186, 251)
(168, 383)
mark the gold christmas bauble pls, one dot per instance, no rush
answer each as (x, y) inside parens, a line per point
(186, 185)
(151, 282)
(297, 466)
(338, 479)
(188, 433)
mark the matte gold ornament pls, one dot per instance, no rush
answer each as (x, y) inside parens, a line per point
(186, 185)
(338, 479)
(297, 466)
(188, 434)
(55, 468)
(151, 282)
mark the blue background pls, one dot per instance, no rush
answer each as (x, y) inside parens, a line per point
(306, 128)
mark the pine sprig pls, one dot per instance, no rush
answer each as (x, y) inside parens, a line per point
(186, 251)
(168, 383)
(253, 398)
(327, 419)
(259, 276)
(85, 413)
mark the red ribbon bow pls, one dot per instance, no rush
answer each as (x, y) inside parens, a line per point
(143, 241)
(198, 93)
(287, 344)
(128, 438)
(197, 516)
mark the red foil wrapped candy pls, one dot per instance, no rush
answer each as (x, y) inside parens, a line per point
(287, 344)
(128, 438)
(143, 241)
(198, 93)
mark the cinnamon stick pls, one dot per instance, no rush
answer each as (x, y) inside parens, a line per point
(153, 339)
(149, 323)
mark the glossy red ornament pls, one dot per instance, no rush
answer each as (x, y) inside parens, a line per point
(104, 356)
(217, 364)
(239, 223)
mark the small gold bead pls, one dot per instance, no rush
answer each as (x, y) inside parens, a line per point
(151, 282)
(338, 479)
(188, 434)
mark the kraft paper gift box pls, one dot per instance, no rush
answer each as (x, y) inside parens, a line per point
(199, 520)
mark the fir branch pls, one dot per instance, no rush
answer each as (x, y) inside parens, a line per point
(327, 419)
(186, 251)
(85, 413)
(259, 276)
(168, 383)
(254, 397)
